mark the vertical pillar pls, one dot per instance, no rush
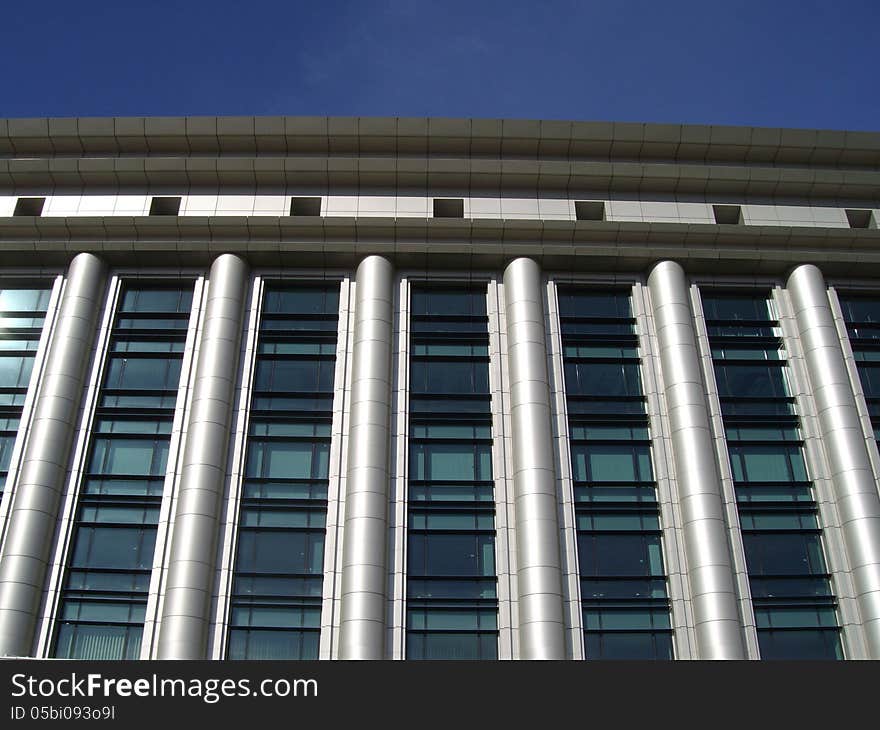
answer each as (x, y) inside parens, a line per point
(34, 511)
(710, 569)
(855, 491)
(364, 550)
(191, 563)
(539, 567)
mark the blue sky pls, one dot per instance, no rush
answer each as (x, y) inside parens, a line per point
(770, 63)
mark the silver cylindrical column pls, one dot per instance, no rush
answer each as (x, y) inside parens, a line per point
(855, 491)
(539, 567)
(710, 569)
(364, 572)
(34, 512)
(191, 562)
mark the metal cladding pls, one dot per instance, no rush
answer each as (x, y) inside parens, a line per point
(34, 512)
(717, 622)
(364, 571)
(191, 565)
(539, 572)
(855, 490)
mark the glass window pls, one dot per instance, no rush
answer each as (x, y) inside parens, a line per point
(295, 375)
(776, 553)
(800, 644)
(302, 300)
(452, 619)
(451, 646)
(89, 641)
(288, 460)
(750, 381)
(609, 380)
(466, 462)
(604, 462)
(119, 548)
(735, 307)
(129, 456)
(172, 301)
(860, 310)
(628, 645)
(583, 304)
(451, 555)
(24, 300)
(444, 376)
(448, 302)
(283, 551)
(272, 644)
(147, 373)
(606, 555)
(770, 463)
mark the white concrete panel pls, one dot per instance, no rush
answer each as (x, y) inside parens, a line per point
(411, 206)
(198, 205)
(235, 204)
(519, 208)
(134, 205)
(61, 205)
(623, 210)
(555, 209)
(794, 215)
(760, 215)
(274, 205)
(828, 217)
(695, 212)
(377, 206)
(661, 212)
(7, 205)
(344, 205)
(484, 207)
(97, 205)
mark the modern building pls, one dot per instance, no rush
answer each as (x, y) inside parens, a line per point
(438, 388)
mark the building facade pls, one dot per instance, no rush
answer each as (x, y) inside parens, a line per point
(301, 388)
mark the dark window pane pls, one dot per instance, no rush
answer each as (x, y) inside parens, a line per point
(783, 554)
(98, 642)
(605, 304)
(800, 644)
(451, 555)
(120, 548)
(270, 644)
(611, 462)
(623, 645)
(605, 379)
(451, 646)
(607, 555)
(280, 552)
(143, 373)
(734, 307)
(442, 377)
(750, 381)
(449, 302)
(302, 300)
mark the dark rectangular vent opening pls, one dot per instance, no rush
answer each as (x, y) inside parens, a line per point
(165, 206)
(305, 206)
(729, 215)
(29, 206)
(860, 218)
(448, 208)
(589, 210)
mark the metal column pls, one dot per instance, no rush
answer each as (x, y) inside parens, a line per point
(34, 512)
(539, 567)
(710, 568)
(365, 532)
(191, 565)
(855, 491)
